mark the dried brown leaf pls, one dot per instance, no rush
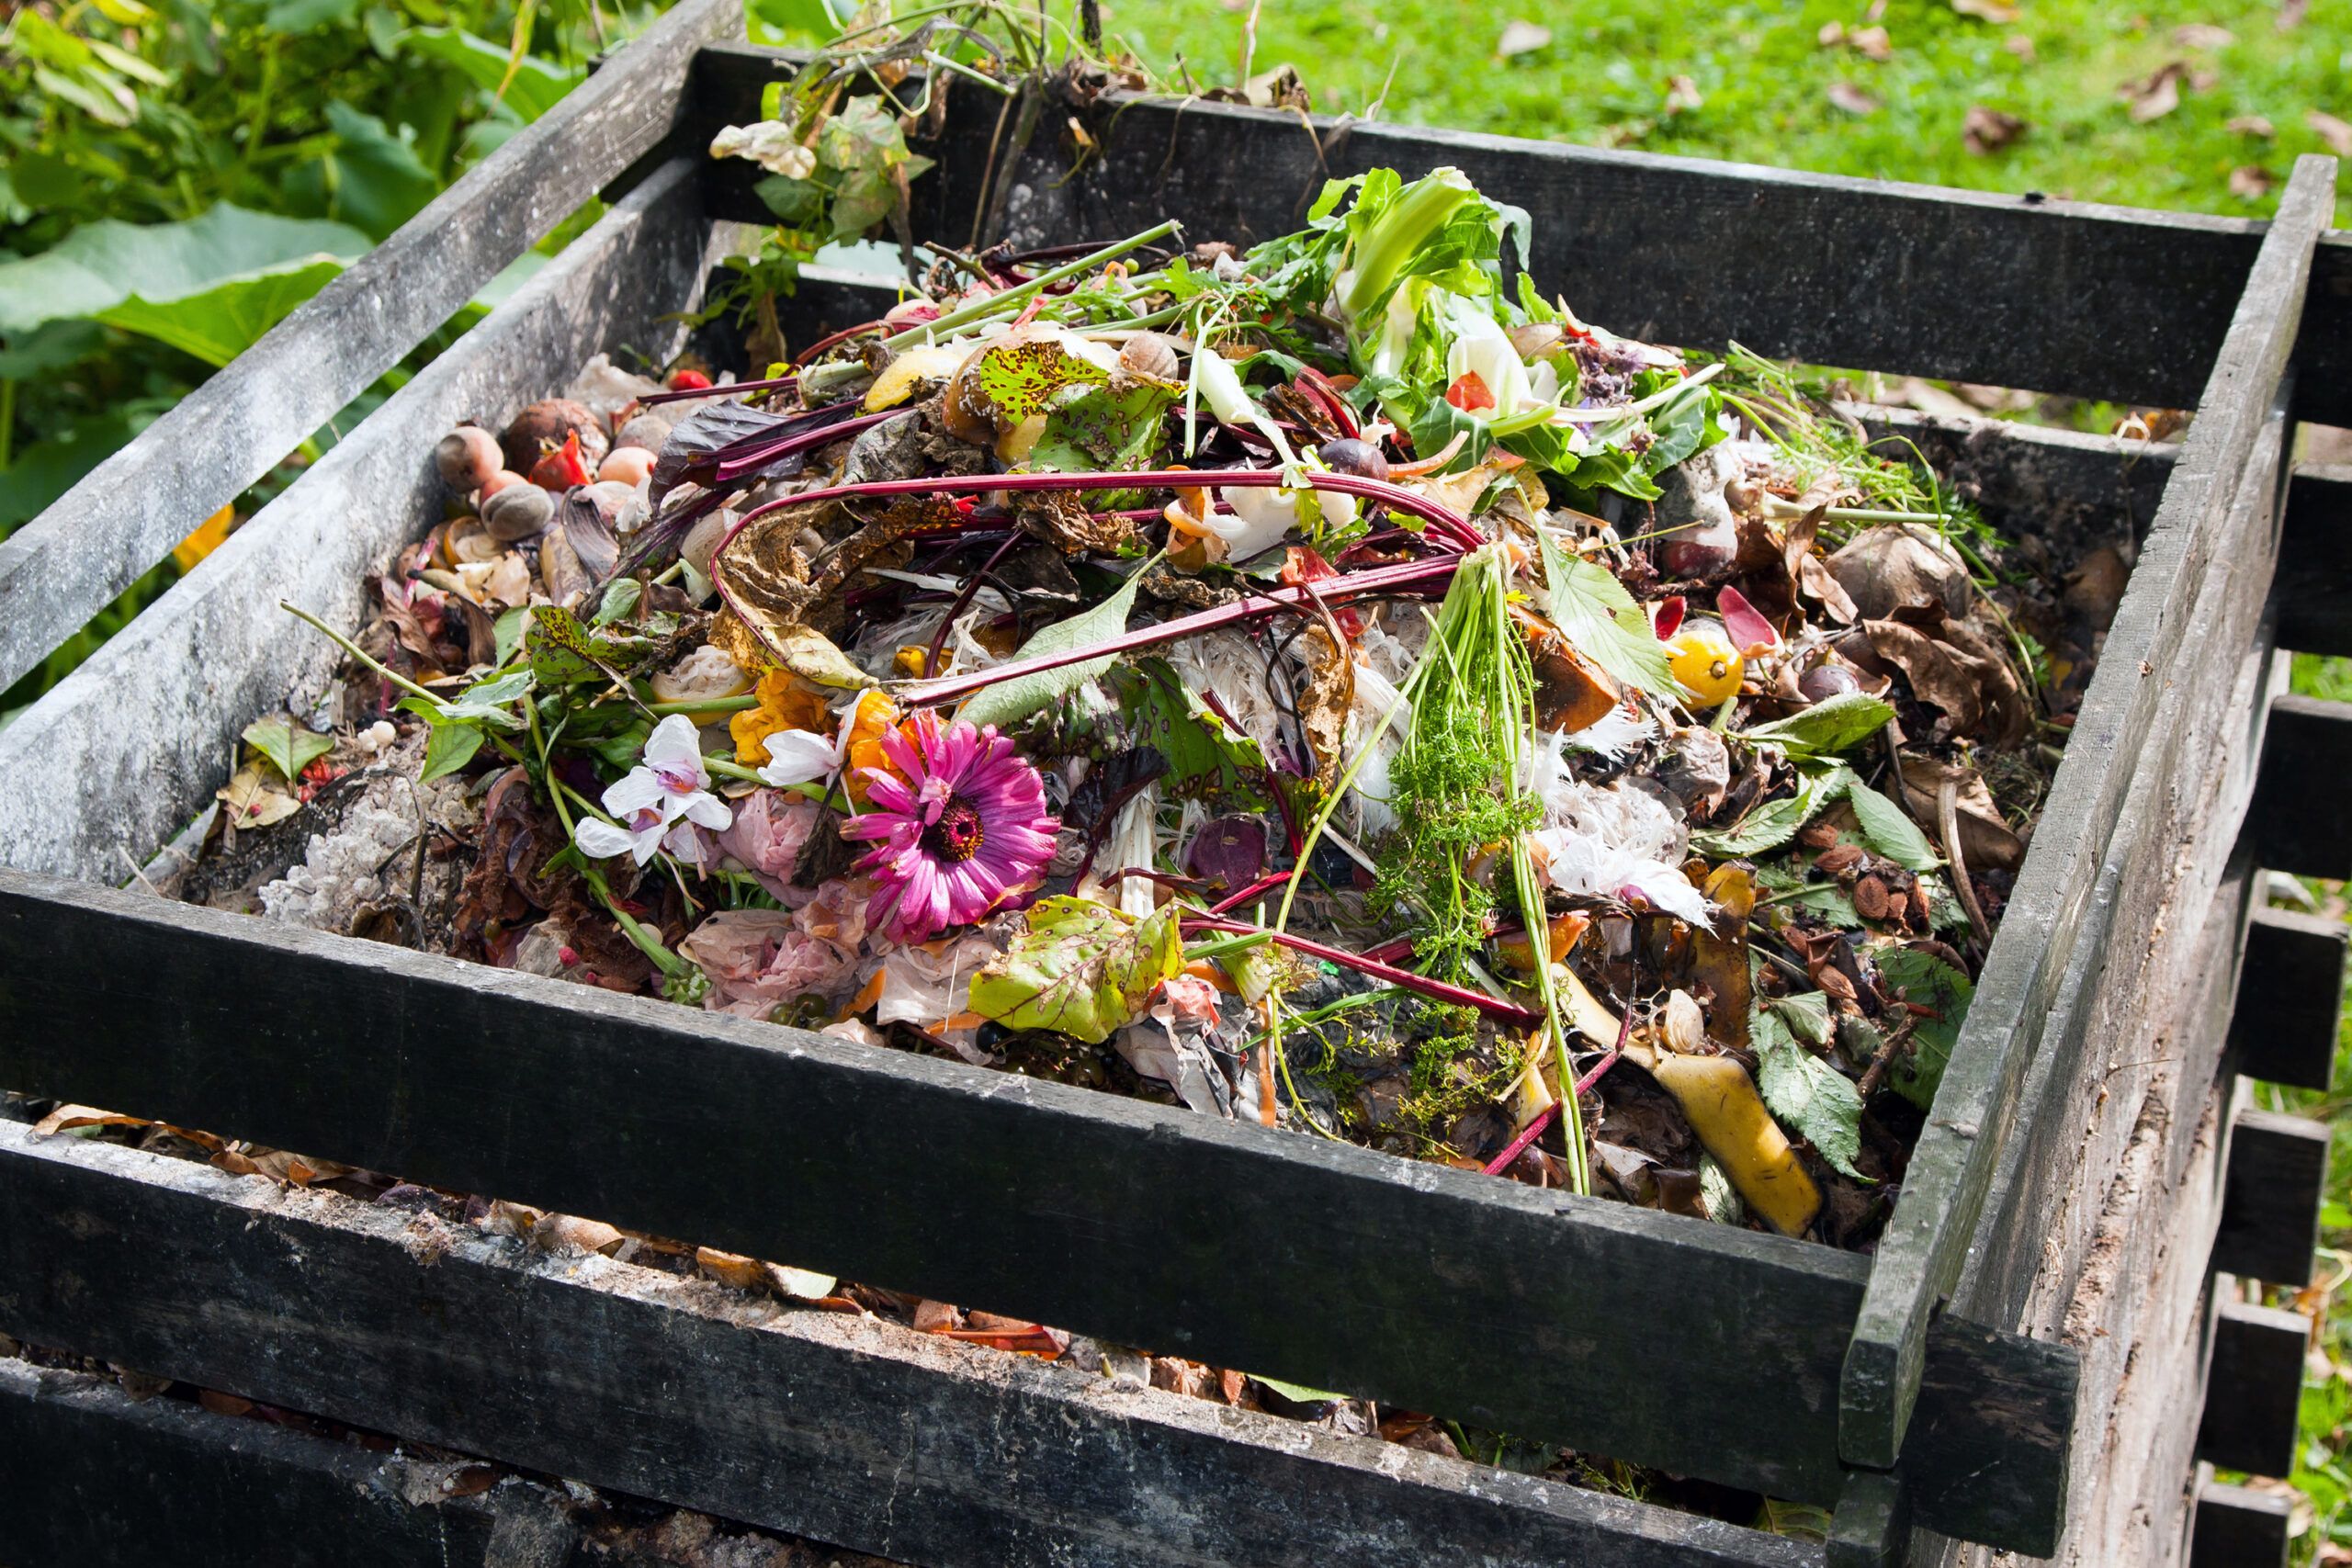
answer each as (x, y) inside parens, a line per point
(1682, 96)
(731, 1268)
(568, 1236)
(2155, 96)
(2018, 45)
(1997, 12)
(65, 1118)
(2251, 182)
(248, 801)
(1984, 130)
(2204, 36)
(1871, 44)
(1521, 38)
(2330, 130)
(1852, 99)
(1986, 842)
(2252, 125)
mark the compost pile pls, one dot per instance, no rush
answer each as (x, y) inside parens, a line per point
(1326, 685)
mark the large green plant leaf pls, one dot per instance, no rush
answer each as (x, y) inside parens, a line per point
(210, 285)
(370, 177)
(535, 87)
(1082, 968)
(1008, 702)
(1596, 614)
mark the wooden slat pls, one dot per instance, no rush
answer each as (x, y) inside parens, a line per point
(2252, 1388)
(2278, 1175)
(1868, 273)
(66, 565)
(99, 1479)
(1920, 1256)
(2290, 995)
(2298, 823)
(1325, 1264)
(841, 1428)
(2037, 480)
(1871, 1528)
(2315, 562)
(2237, 1527)
(216, 651)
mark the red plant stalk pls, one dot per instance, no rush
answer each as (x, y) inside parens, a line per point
(1527, 1135)
(732, 388)
(1403, 979)
(1264, 885)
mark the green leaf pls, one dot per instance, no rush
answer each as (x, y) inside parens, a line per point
(1021, 376)
(1081, 968)
(564, 653)
(302, 16)
(1924, 980)
(210, 285)
(1008, 702)
(1207, 760)
(485, 702)
(290, 747)
(1812, 1099)
(1838, 725)
(1100, 428)
(1298, 1393)
(1807, 1016)
(447, 749)
(371, 178)
(621, 596)
(1715, 1190)
(1890, 831)
(1596, 614)
(1775, 822)
(508, 629)
(536, 88)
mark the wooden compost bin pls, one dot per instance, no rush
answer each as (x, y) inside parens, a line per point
(2018, 1366)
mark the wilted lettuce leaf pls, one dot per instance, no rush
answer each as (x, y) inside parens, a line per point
(1082, 968)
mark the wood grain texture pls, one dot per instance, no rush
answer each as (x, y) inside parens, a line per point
(2299, 823)
(97, 1480)
(1920, 278)
(2097, 1229)
(1433, 1289)
(2290, 994)
(2315, 562)
(216, 651)
(1925, 1247)
(846, 1429)
(2278, 1176)
(2238, 1526)
(1871, 1528)
(2253, 1389)
(67, 564)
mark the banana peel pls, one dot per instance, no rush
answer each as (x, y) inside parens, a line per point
(1720, 1101)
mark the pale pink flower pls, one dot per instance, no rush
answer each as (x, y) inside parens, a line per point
(658, 804)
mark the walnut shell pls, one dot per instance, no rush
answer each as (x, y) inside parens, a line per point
(542, 427)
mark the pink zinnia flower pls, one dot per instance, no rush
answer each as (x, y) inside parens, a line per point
(964, 826)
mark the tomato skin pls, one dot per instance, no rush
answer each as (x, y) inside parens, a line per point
(1469, 393)
(688, 381)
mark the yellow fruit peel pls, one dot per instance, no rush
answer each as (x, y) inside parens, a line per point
(1720, 1101)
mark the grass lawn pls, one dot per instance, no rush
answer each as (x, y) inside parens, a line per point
(1758, 83)
(1768, 90)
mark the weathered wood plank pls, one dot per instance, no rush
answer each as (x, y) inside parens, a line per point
(2315, 562)
(1322, 1263)
(97, 1480)
(2059, 486)
(844, 1428)
(2253, 1389)
(215, 650)
(2298, 822)
(2237, 1527)
(67, 564)
(1933, 281)
(2291, 993)
(1921, 1255)
(2278, 1175)
(1871, 1528)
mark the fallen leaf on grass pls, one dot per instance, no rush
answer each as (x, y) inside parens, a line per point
(2251, 182)
(2155, 96)
(2018, 45)
(1521, 38)
(1994, 11)
(1681, 94)
(2203, 35)
(1871, 44)
(2251, 125)
(2332, 130)
(66, 1118)
(1852, 99)
(1985, 131)
(2291, 15)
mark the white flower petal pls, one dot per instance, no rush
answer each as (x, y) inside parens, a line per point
(599, 840)
(795, 756)
(675, 747)
(633, 792)
(705, 809)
